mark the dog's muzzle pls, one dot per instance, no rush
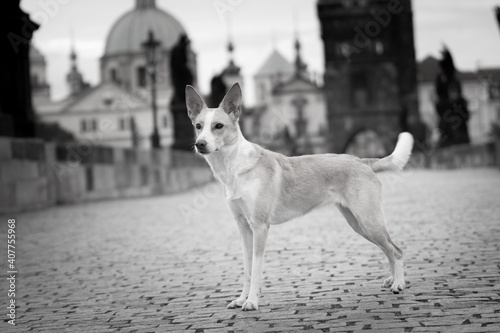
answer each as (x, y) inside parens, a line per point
(201, 147)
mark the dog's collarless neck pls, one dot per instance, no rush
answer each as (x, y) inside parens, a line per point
(229, 163)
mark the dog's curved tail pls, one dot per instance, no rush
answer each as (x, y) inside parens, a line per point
(397, 160)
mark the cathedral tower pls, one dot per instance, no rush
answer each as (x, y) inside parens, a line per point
(370, 72)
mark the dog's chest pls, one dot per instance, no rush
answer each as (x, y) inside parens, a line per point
(230, 183)
(229, 179)
(238, 187)
(236, 176)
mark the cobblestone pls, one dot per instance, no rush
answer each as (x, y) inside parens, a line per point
(173, 263)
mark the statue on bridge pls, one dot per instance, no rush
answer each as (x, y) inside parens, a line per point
(181, 76)
(218, 90)
(451, 106)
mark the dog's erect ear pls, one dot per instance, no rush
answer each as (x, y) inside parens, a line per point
(194, 102)
(232, 102)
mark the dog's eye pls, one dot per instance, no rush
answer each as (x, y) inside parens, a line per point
(219, 126)
(198, 126)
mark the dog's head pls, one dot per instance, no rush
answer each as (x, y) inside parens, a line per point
(215, 128)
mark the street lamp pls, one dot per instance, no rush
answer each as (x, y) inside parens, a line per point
(152, 52)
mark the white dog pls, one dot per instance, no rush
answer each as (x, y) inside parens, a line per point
(264, 188)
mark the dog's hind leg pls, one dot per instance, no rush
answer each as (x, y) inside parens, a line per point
(369, 222)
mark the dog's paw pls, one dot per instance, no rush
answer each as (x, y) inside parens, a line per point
(398, 286)
(388, 282)
(237, 303)
(249, 305)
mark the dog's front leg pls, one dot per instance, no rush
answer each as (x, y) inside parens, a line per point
(247, 246)
(259, 245)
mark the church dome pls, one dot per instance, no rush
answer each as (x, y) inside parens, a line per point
(131, 30)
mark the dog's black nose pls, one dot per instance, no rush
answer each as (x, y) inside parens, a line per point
(201, 144)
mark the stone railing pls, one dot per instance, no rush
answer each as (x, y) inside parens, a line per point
(36, 174)
(455, 157)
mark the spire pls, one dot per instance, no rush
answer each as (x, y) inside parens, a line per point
(231, 69)
(300, 66)
(74, 78)
(230, 49)
(72, 56)
(142, 4)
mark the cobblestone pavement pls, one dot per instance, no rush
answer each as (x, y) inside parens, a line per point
(173, 263)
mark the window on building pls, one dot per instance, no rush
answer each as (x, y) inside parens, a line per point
(113, 75)
(360, 97)
(345, 50)
(379, 47)
(89, 178)
(262, 91)
(121, 123)
(141, 76)
(164, 121)
(124, 123)
(83, 125)
(494, 90)
(94, 125)
(359, 86)
(144, 175)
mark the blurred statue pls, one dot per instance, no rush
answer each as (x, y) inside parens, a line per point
(134, 133)
(289, 141)
(497, 14)
(217, 91)
(451, 106)
(17, 116)
(181, 76)
(179, 69)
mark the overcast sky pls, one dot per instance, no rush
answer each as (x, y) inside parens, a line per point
(467, 27)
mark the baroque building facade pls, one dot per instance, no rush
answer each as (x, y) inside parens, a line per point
(118, 111)
(290, 110)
